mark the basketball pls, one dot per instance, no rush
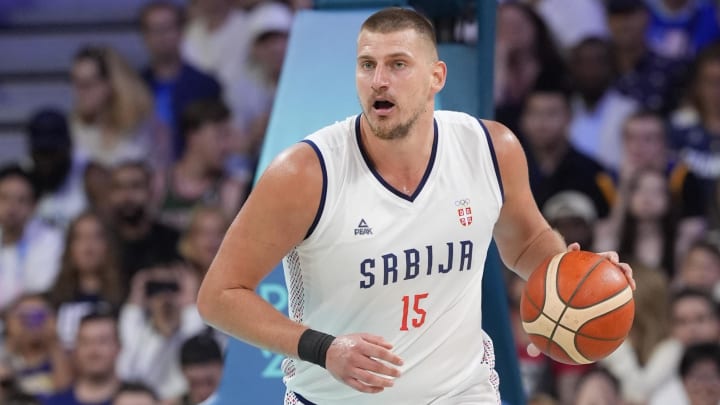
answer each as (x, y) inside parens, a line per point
(577, 307)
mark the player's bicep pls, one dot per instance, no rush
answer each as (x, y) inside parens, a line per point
(275, 218)
(520, 220)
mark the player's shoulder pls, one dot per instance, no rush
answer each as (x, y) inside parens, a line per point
(456, 118)
(470, 124)
(335, 133)
(307, 158)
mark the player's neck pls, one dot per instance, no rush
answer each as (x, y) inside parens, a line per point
(403, 161)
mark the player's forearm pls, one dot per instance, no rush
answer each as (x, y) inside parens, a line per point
(544, 244)
(242, 313)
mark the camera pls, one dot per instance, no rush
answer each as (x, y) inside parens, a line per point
(153, 287)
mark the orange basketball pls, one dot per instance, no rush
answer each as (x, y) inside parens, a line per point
(577, 307)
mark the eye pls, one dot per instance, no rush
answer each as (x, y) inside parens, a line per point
(367, 65)
(399, 64)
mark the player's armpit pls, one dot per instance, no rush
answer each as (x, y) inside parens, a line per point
(523, 237)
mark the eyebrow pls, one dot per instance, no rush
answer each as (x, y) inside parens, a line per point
(394, 55)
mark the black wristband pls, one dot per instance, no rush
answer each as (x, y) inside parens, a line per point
(313, 346)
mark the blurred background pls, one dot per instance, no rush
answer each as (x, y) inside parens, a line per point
(131, 132)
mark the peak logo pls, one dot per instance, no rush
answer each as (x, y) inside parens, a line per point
(363, 228)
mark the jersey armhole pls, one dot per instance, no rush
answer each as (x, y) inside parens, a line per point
(494, 159)
(323, 194)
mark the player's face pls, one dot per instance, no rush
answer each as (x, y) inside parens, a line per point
(397, 77)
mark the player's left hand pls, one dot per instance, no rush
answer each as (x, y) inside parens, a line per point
(614, 258)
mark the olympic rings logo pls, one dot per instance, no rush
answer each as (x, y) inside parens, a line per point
(462, 203)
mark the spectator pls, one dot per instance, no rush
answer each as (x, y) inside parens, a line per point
(216, 40)
(29, 249)
(572, 21)
(644, 138)
(700, 372)
(89, 274)
(647, 230)
(524, 52)
(646, 359)
(143, 241)
(95, 356)
(644, 141)
(202, 365)
(96, 181)
(653, 81)
(251, 96)
(554, 164)
(38, 359)
(681, 28)
(8, 382)
(113, 118)
(573, 215)
(22, 399)
(199, 176)
(696, 125)
(135, 394)
(700, 268)
(174, 83)
(56, 170)
(598, 109)
(158, 317)
(694, 319)
(201, 240)
(598, 387)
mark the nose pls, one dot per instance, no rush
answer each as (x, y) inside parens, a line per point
(380, 78)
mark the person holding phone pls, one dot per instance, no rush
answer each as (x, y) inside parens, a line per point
(159, 316)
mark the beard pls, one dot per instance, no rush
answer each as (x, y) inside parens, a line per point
(398, 131)
(131, 214)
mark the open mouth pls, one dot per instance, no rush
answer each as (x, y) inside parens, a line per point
(383, 105)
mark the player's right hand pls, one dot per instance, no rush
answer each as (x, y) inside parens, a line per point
(363, 361)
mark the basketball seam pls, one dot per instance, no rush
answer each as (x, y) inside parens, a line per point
(577, 288)
(540, 311)
(596, 317)
(604, 299)
(544, 287)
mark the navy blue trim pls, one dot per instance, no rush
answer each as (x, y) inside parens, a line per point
(428, 169)
(302, 399)
(494, 159)
(323, 195)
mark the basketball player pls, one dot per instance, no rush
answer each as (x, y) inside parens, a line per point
(384, 221)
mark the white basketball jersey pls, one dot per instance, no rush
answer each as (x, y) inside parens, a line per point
(407, 268)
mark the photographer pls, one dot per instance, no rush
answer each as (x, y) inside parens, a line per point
(159, 316)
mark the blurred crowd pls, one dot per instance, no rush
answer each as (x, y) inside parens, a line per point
(109, 223)
(617, 104)
(108, 226)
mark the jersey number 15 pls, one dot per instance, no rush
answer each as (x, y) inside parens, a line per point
(420, 313)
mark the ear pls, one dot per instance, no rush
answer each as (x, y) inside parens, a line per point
(439, 73)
